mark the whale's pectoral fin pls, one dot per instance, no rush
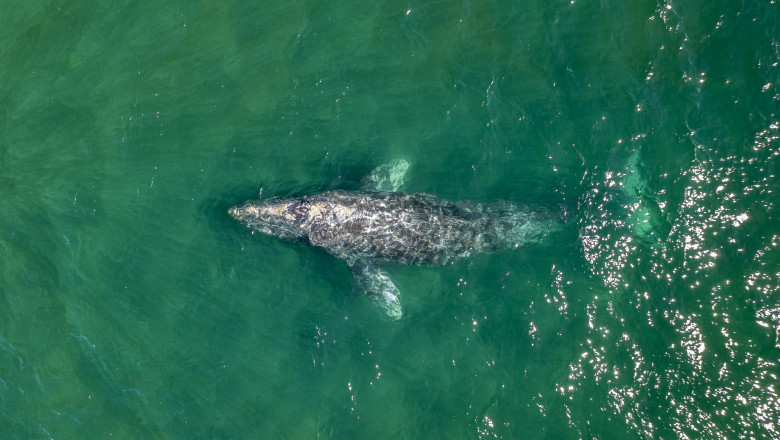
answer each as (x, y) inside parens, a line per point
(379, 288)
(388, 177)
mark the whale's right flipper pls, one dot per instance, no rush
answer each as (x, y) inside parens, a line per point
(388, 177)
(379, 288)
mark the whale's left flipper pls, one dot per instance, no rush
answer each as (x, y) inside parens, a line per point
(379, 288)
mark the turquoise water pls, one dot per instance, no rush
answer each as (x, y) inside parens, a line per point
(132, 306)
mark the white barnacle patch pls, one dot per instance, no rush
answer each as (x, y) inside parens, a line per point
(318, 210)
(343, 211)
(275, 211)
(315, 210)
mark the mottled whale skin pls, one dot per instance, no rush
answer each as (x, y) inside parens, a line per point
(372, 229)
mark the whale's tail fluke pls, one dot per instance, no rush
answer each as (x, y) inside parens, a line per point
(645, 216)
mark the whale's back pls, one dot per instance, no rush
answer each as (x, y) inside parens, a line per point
(419, 229)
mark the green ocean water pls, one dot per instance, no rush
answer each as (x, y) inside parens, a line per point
(133, 306)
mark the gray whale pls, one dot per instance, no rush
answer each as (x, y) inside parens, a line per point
(371, 229)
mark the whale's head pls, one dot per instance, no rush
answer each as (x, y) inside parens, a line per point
(286, 219)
